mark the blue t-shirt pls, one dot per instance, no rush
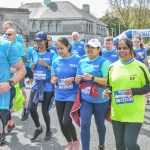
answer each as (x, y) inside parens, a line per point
(21, 52)
(48, 57)
(98, 68)
(29, 55)
(65, 68)
(111, 55)
(143, 51)
(8, 56)
(78, 48)
(53, 47)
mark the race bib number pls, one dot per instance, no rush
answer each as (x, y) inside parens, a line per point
(75, 52)
(86, 90)
(63, 86)
(39, 75)
(122, 98)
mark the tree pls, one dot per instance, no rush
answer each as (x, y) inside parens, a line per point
(133, 13)
(115, 25)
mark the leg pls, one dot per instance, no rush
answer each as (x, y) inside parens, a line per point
(60, 107)
(33, 109)
(45, 108)
(85, 114)
(119, 133)
(99, 114)
(131, 134)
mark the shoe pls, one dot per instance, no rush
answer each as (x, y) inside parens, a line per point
(9, 128)
(101, 147)
(69, 146)
(75, 145)
(2, 138)
(36, 133)
(25, 117)
(48, 136)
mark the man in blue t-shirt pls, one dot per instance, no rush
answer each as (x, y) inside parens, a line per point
(50, 44)
(77, 46)
(109, 52)
(9, 25)
(9, 56)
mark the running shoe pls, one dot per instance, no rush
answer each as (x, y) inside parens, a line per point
(10, 128)
(48, 136)
(36, 133)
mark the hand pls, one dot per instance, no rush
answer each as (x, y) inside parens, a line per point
(33, 66)
(4, 87)
(87, 76)
(78, 79)
(42, 62)
(12, 70)
(128, 92)
(68, 81)
(54, 80)
(106, 93)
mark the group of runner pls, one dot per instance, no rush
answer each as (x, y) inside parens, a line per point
(84, 79)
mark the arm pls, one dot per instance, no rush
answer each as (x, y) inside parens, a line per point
(21, 71)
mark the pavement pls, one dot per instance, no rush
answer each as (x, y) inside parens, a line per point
(19, 139)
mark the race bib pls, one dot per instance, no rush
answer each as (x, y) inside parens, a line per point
(39, 75)
(121, 98)
(63, 86)
(86, 90)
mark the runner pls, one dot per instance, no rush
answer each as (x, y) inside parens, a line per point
(10, 57)
(91, 72)
(140, 51)
(109, 52)
(128, 81)
(42, 90)
(77, 46)
(63, 75)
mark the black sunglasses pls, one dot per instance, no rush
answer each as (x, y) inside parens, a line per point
(9, 34)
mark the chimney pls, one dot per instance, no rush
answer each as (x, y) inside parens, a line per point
(46, 2)
(86, 8)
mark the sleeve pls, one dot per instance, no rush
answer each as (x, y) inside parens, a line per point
(79, 69)
(13, 55)
(105, 68)
(145, 82)
(21, 50)
(54, 56)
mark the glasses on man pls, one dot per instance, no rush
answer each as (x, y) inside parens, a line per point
(9, 34)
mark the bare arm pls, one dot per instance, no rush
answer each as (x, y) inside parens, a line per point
(21, 71)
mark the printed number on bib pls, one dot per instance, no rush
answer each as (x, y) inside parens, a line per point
(39, 75)
(122, 98)
(86, 90)
(75, 52)
(63, 86)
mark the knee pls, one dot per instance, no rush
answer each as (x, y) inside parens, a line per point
(32, 108)
(66, 123)
(130, 144)
(85, 125)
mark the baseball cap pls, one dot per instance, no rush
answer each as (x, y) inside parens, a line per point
(41, 36)
(94, 43)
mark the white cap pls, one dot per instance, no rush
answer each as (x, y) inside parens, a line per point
(94, 43)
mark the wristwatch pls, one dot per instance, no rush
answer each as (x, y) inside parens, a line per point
(11, 82)
(93, 78)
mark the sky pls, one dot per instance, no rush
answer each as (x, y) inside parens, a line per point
(97, 7)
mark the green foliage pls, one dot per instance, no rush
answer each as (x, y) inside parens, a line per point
(115, 25)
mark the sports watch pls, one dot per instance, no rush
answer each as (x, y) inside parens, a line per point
(11, 82)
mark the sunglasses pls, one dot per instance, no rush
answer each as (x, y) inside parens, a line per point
(9, 34)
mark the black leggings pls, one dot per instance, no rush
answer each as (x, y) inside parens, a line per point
(126, 134)
(45, 109)
(65, 121)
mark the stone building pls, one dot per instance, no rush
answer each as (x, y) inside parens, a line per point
(61, 18)
(57, 19)
(20, 18)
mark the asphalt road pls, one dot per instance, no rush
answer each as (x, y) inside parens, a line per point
(19, 139)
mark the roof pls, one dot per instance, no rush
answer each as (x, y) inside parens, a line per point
(58, 10)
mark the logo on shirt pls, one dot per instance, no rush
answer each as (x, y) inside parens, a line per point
(73, 65)
(132, 77)
(48, 59)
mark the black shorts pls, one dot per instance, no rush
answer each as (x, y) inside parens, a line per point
(29, 73)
